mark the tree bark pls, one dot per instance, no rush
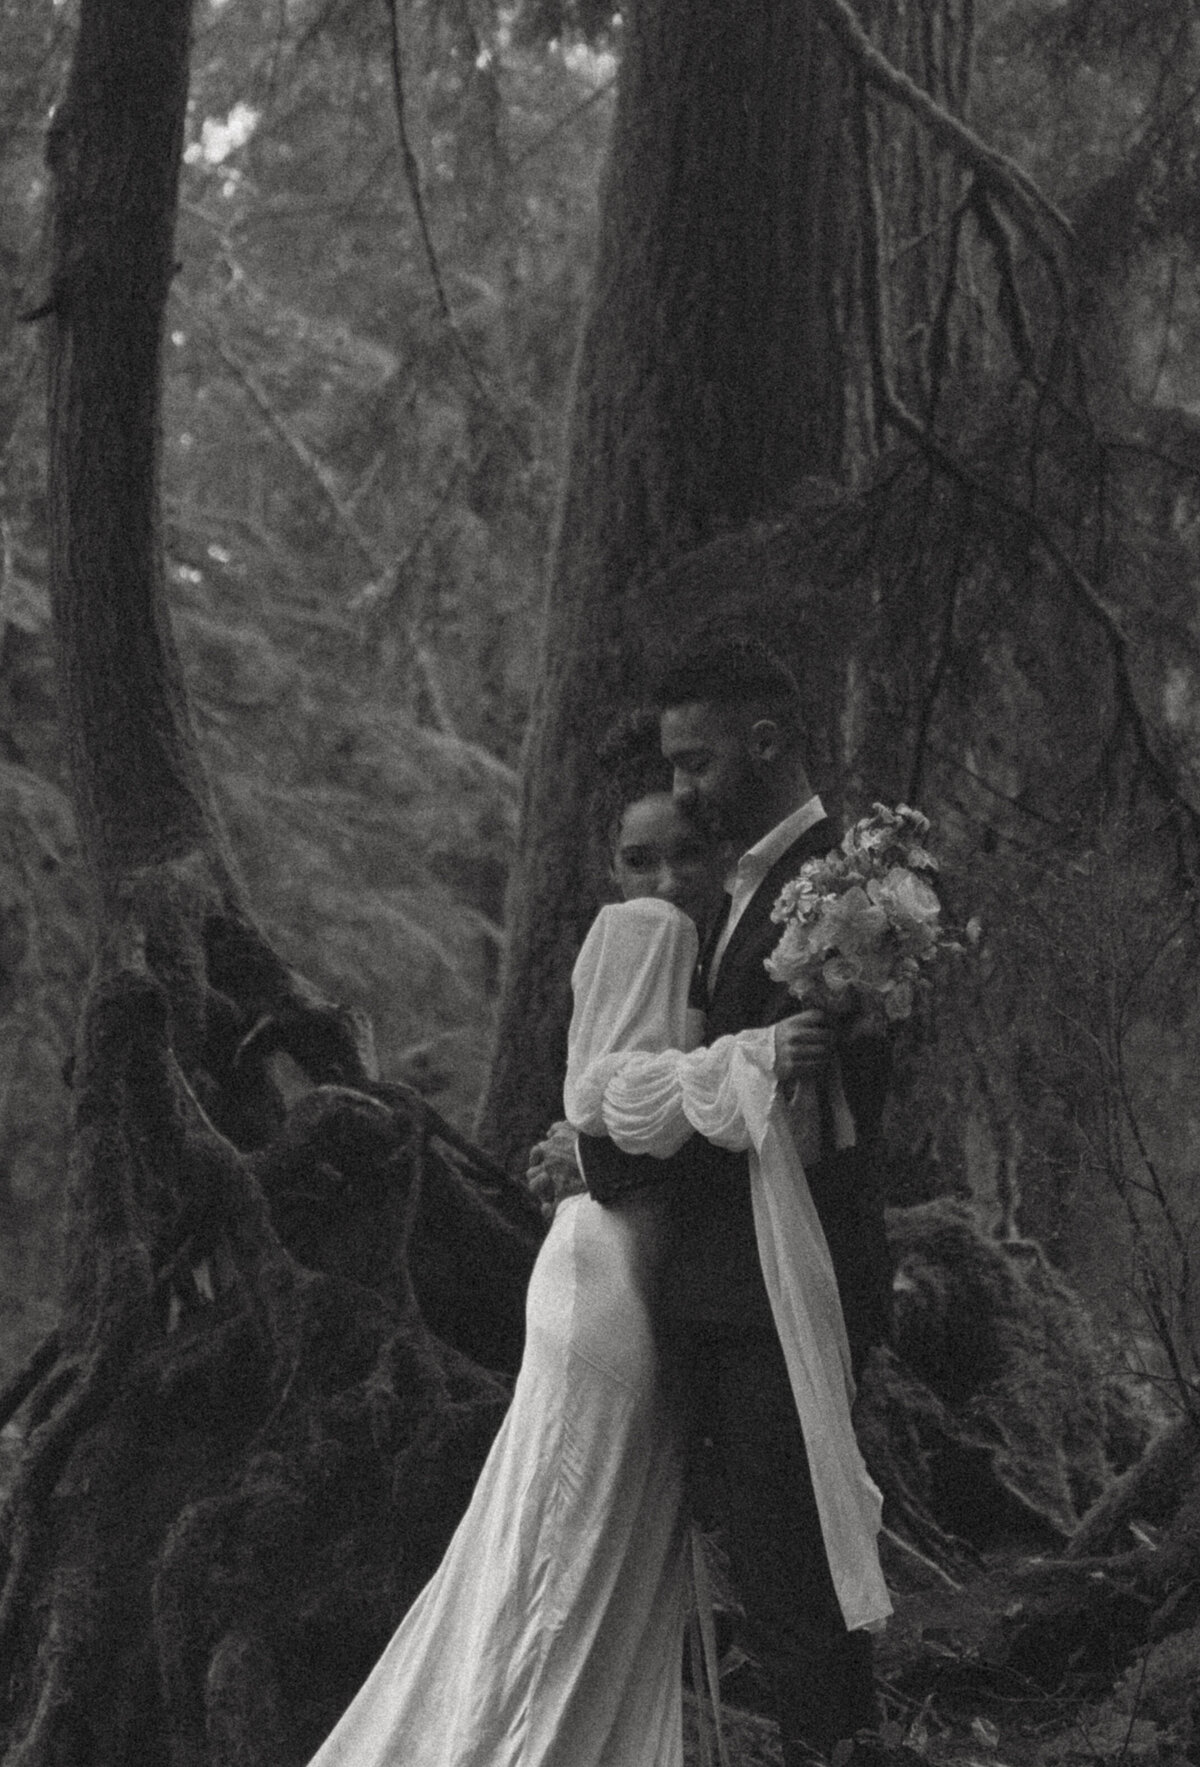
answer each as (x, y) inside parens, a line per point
(723, 363)
(139, 787)
(707, 380)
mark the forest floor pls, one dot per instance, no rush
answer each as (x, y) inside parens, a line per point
(948, 1701)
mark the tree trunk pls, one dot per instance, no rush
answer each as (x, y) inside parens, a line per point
(723, 363)
(793, 271)
(245, 1448)
(139, 787)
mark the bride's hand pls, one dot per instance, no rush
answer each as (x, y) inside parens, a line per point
(553, 1171)
(803, 1046)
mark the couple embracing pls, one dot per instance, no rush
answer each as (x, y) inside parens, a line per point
(707, 1298)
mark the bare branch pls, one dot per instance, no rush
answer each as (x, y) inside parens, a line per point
(937, 351)
(312, 464)
(477, 1165)
(1168, 326)
(994, 168)
(946, 759)
(379, 564)
(29, 1376)
(952, 578)
(565, 121)
(1012, 307)
(1163, 770)
(412, 176)
(875, 285)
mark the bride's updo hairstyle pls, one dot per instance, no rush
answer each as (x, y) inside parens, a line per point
(631, 766)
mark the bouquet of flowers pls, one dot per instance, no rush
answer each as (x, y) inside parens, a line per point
(862, 925)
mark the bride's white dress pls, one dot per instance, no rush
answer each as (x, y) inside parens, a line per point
(551, 1634)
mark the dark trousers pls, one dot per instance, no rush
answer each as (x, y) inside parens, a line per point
(751, 1479)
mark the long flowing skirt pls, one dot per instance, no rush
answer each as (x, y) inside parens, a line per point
(551, 1634)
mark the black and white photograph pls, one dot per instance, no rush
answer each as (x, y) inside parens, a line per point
(599, 883)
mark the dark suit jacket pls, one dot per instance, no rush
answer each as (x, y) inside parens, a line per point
(712, 1268)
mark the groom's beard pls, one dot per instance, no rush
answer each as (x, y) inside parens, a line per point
(713, 824)
(724, 827)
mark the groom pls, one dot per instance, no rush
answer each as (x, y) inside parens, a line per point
(730, 728)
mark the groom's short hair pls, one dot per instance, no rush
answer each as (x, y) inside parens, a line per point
(730, 668)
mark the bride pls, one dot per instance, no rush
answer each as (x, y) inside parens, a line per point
(551, 1634)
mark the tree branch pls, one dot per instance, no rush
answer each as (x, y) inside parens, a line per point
(994, 168)
(1165, 774)
(1012, 308)
(484, 1171)
(295, 443)
(412, 176)
(952, 578)
(29, 1376)
(565, 121)
(376, 560)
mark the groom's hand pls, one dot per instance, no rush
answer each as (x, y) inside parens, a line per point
(803, 1046)
(553, 1171)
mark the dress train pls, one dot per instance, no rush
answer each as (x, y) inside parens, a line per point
(551, 1634)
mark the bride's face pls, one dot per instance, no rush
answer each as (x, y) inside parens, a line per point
(660, 852)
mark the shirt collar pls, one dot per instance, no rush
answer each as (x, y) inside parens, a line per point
(755, 863)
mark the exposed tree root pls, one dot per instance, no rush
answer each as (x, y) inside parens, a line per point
(1087, 1612)
(243, 1357)
(29, 1376)
(1149, 1491)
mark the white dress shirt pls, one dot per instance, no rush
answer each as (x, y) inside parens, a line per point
(754, 865)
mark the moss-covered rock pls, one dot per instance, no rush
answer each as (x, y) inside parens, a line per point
(996, 1412)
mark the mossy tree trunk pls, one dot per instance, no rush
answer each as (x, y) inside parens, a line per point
(245, 1448)
(725, 363)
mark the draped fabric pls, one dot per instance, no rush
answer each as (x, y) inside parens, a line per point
(634, 967)
(807, 1310)
(552, 1633)
(630, 1075)
(630, 983)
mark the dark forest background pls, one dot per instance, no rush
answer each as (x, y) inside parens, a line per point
(357, 494)
(384, 471)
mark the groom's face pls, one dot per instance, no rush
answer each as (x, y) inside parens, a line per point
(717, 772)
